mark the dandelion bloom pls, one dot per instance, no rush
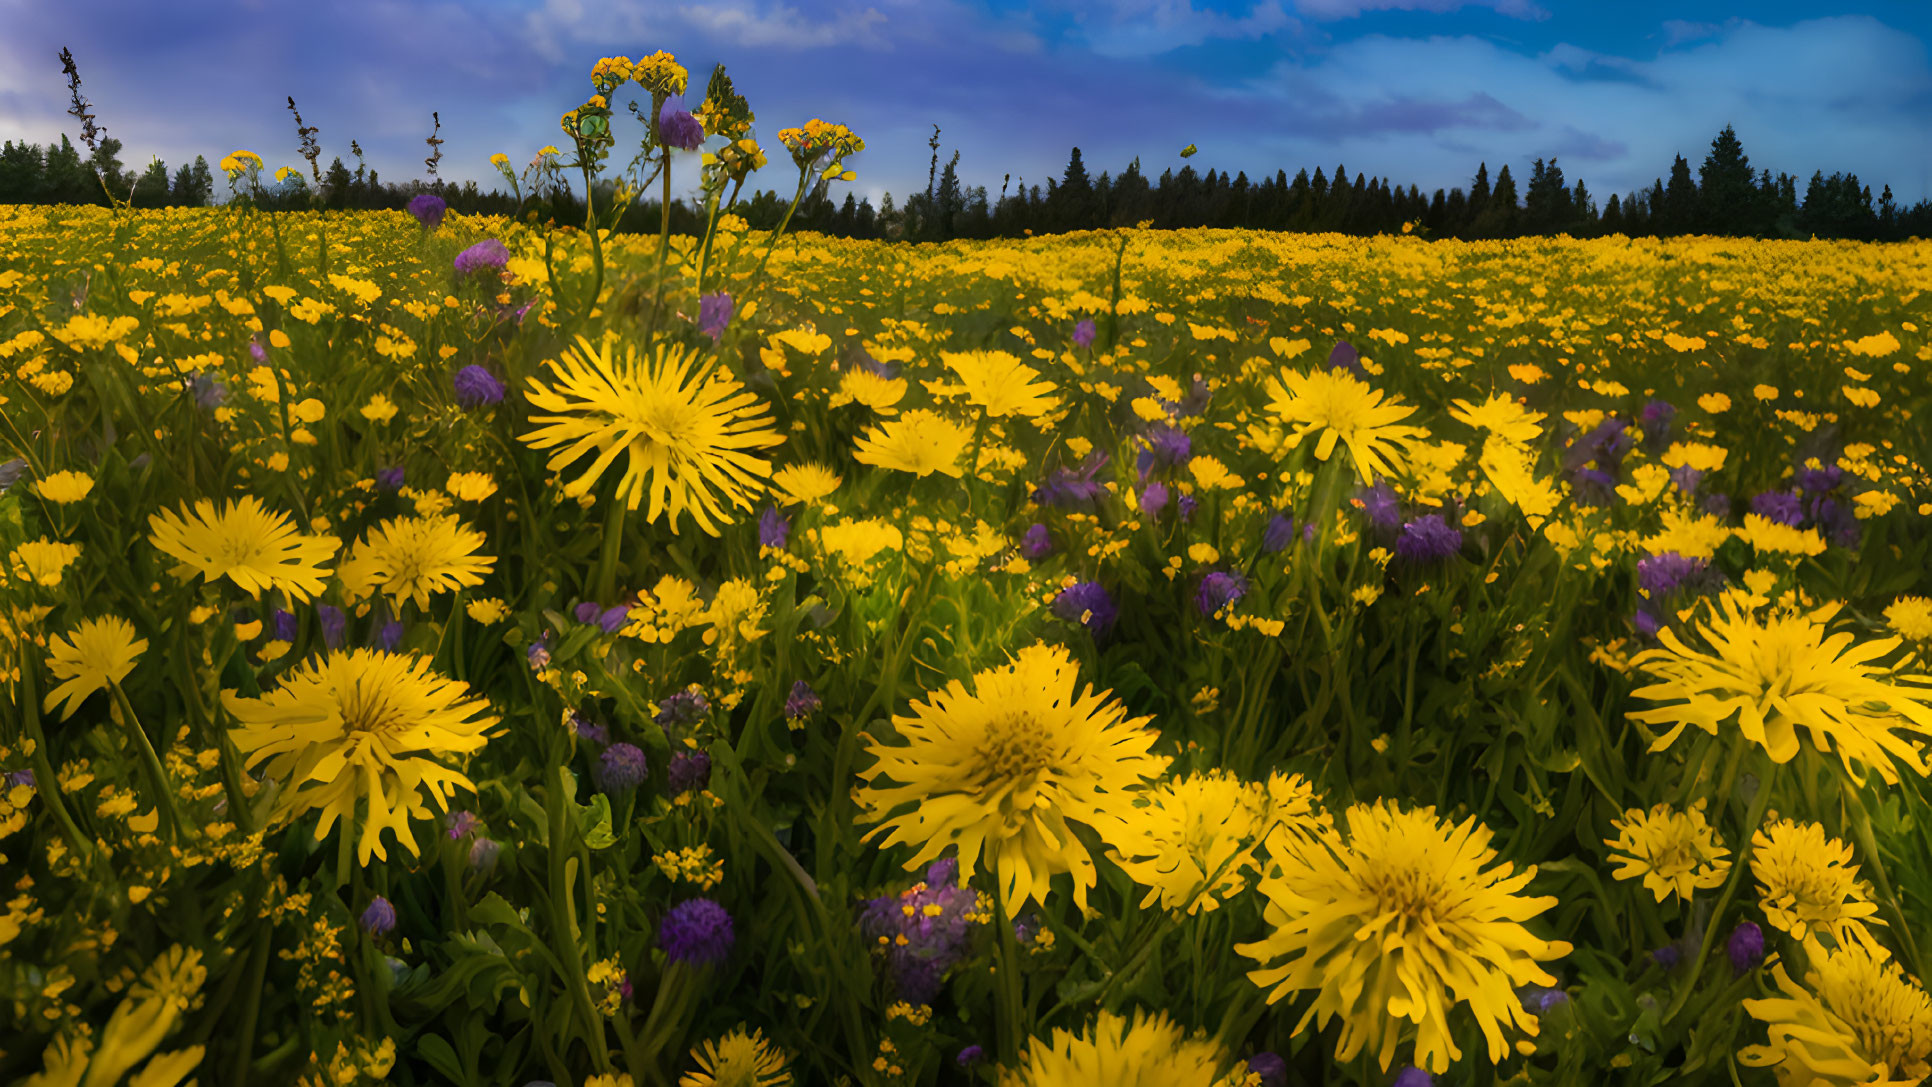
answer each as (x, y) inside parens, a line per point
(687, 432)
(43, 561)
(804, 484)
(1399, 920)
(1151, 1051)
(737, 1060)
(999, 382)
(1775, 674)
(99, 653)
(362, 729)
(1676, 852)
(1502, 415)
(1807, 884)
(416, 557)
(64, 487)
(1857, 1019)
(919, 442)
(998, 771)
(1336, 408)
(1911, 617)
(1194, 844)
(245, 543)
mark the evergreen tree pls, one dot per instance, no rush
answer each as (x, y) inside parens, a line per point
(1546, 207)
(1680, 213)
(20, 173)
(1478, 200)
(1500, 215)
(1612, 221)
(338, 185)
(151, 191)
(65, 179)
(1727, 198)
(1072, 205)
(105, 165)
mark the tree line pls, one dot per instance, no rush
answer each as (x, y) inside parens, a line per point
(1724, 196)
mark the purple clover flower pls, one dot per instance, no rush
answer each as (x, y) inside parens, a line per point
(428, 208)
(1746, 946)
(1153, 499)
(1073, 488)
(334, 622)
(714, 314)
(1087, 603)
(1218, 590)
(1344, 357)
(487, 254)
(923, 932)
(1659, 575)
(1428, 540)
(588, 730)
(1270, 1067)
(683, 708)
(677, 128)
(802, 702)
(689, 770)
(1083, 333)
(390, 479)
(1037, 543)
(1411, 1076)
(476, 387)
(969, 1056)
(462, 824)
(621, 768)
(1594, 487)
(390, 636)
(1686, 478)
(1784, 507)
(613, 619)
(379, 917)
(587, 611)
(283, 625)
(1167, 447)
(697, 932)
(1279, 534)
(1379, 502)
(774, 529)
(1820, 480)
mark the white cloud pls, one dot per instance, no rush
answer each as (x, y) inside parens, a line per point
(1139, 28)
(1349, 9)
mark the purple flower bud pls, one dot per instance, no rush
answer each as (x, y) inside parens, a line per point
(1412, 1076)
(283, 624)
(1595, 487)
(1784, 507)
(539, 652)
(774, 529)
(1167, 447)
(677, 128)
(969, 1056)
(428, 208)
(462, 824)
(1087, 603)
(714, 314)
(1345, 357)
(1716, 504)
(588, 730)
(487, 254)
(390, 636)
(697, 931)
(1686, 478)
(1647, 622)
(802, 702)
(1428, 540)
(1184, 506)
(1037, 543)
(587, 612)
(613, 619)
(256, 351)
(1083, 334)
(1746, 946)
(689, 770)
(1073, 488)
(1278, 535)
(1819, 480)
(483, 854)
(1270, 1067)
(942, 872)
(1666, 956)
(334, 622)
(379, 918)
(20, 777)
(1218, 590)
(1379, 502)
(476, 387)
(621, 768)
(1655, 419)
(390, 479)
(1153, 499)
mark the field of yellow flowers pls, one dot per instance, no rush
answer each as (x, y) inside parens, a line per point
(440, 649)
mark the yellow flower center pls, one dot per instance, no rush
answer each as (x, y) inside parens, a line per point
(1016, 749)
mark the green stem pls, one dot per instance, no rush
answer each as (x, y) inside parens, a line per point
(1759, 801)
(1861, 823)
(1011, 1029)
(45, 782)
(607, 558)
(167, 801)
(564, 928)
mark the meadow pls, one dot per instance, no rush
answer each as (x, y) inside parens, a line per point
(447, 649)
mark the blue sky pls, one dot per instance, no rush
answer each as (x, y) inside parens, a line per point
(1415, 90)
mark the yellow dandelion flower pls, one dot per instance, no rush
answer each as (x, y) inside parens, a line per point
(1502, 415)
(417, 557)
(862, 386)
(487, 610)
(804, 484)
(99, 652)
(43, 561)
(919, 442)
(1511, 469)
(1334, 407)
(470, 486)
(1776, 537)
(1398, 921)
(1001, 383)
(998, 771)
(1715, 403)
(1676, 852)
(245, 543)
(737, 1060)
(64, 487)
(1149, 1051)
(858, 542)
(1194, 842)
(1807, 884)
(362, 729)
(1911, 617)
(1857, 1020)
(685, 424)
(1771, 676)
(379, 409)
